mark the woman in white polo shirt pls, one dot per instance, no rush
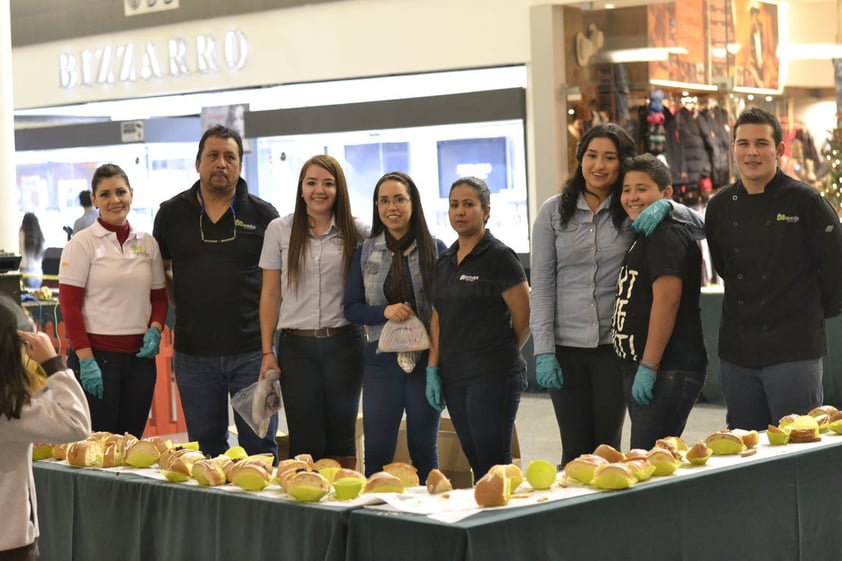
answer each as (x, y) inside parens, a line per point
(112, 297)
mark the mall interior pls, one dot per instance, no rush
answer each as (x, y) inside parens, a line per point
(498, 89)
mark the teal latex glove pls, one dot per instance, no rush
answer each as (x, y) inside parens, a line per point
(548, 372)
(651, 216)
(433, 389)
(91, 376)
(151, 343)
(644, 381)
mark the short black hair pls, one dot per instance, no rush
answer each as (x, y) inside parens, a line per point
(221, 132)
(85, 198)
(651, 166)
(758, 116)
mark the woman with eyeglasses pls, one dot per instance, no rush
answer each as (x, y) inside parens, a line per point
(30, 412)
(479, 326)
(390, 280)
(305, 260)
(114, 303)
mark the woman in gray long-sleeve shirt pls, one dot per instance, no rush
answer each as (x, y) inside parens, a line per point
(578, 245)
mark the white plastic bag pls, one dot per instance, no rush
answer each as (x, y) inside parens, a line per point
(402, 336)
(258, 402)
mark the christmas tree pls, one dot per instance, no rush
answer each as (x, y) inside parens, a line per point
(831, 186)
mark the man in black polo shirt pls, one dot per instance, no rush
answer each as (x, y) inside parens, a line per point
(776, 242)
(210, 237)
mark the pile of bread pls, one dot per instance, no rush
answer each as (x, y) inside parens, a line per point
(104, 449)
(805, 428)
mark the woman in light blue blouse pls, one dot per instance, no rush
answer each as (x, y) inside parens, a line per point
(578, 245)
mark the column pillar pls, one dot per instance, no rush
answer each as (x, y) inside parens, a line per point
(9, 222)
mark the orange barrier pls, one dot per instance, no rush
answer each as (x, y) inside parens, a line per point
(165, 416)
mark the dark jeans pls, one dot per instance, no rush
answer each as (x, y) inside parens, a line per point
(128, 385)
(759, 397)
(387, 392)
(205, 383)
(590, 407)
(675, 392)
(483, 415)
(321, 381)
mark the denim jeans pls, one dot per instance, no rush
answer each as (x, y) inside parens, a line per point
(590, 408)
(205, 383)
(128, 385)
(759, 397)
(483, 415)
(675, 392)
(321, 381)
(388, 391)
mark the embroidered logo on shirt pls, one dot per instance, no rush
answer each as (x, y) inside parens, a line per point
(138, 250)
(469, 278)
(784, 218)
(240, 224)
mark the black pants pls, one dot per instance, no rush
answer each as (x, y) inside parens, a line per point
(25, 553)
(128, 386)
(590, 407)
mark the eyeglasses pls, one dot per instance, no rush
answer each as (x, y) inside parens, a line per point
(202, 229)
(398, 201)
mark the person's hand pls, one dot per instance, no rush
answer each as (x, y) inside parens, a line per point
(644, 381)
(38, 345)
(398, 312)
(548, 371)
(151, 343)
(651, 216)
(269, 363)
(433, 389)
(91, 376)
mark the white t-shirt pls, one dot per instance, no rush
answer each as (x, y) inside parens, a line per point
(117, 281)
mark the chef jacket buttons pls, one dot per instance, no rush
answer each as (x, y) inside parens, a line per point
(739, 276)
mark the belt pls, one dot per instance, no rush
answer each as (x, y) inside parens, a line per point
(321, 333)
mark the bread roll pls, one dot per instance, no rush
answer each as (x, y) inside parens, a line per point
(609, 453)
(407, 473)
(437, 482)
(581, 469)
(326, 463)
(492, 489)
(383, 482)
(86, 453)
(208, 473)
(307, 486)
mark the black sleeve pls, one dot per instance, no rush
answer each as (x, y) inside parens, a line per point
(826, 240)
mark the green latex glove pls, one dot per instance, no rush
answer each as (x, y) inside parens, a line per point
(644, 381)
(433, 389)
(548, 371)
(651, 216)
(151, 343)
(91, 376)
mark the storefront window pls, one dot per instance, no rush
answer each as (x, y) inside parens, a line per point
(434, 156)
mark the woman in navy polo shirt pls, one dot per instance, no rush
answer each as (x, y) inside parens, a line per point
(480, 323)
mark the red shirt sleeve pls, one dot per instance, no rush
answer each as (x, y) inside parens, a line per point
(160, 305)
(70, 300)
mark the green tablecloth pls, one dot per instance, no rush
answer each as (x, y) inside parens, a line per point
(711, 307)
(94, 515)
(769, 509)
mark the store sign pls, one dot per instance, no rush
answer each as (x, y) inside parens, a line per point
(130, 62)
(139, 7)
(131, 131)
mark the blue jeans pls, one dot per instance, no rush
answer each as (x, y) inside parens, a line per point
(205, 383)
(321, 381)
(675, 392)
(590, 408)
(759, 397)
(483, 415)
(128, 385)
(387, 392)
